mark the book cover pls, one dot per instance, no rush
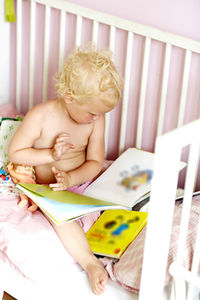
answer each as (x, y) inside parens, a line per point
(111, 234)
(127, 180)
(62, 206)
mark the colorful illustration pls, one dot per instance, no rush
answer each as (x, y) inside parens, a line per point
(131, 181)
(114, 231)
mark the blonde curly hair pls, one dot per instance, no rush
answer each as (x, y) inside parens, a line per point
(88, 73)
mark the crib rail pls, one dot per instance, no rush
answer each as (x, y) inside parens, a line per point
(144, 88)
(167, 159)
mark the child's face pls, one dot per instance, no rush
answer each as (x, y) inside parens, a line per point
(87, 113)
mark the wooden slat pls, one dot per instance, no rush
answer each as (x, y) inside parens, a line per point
(143, 92)
(188, 190)
(46, 52)
(112, 38)
(32, 53)
(184, 87)
(126, 92)
(163, 96)
(112, 48)
(195, 265)
(18, 54)
(95, 29)
(78, 30)
(62, 38)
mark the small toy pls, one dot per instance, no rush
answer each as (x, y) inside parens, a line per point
(4, 175)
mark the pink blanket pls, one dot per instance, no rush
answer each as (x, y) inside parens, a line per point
(29, 242)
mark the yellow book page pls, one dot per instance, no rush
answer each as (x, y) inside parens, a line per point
(115, 230)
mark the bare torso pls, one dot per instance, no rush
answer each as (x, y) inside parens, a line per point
(53, 126)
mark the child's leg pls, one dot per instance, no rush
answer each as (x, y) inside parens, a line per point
(75, 242)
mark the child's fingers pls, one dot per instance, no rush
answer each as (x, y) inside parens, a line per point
(58, 175)
(64, 145)
(54, 170)
(62, 139)
(57, 186)
(22, 203)
(33, 207)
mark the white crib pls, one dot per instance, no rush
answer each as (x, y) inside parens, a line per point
(159, 75)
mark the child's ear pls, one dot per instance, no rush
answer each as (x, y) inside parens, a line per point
(68, 99)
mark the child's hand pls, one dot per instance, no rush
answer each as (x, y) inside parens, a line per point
(62, 179)
(61, 146)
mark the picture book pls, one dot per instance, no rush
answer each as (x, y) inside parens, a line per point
(111, 234)
(128, 180)
(62, 206)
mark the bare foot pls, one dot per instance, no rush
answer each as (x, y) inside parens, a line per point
(97, 276)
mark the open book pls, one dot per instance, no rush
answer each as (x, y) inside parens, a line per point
(62, 206)
(128, 180)
(122, 185)
(114, 230)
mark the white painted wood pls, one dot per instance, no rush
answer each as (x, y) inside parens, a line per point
(18, 54)
(143, 92)
(32, 53)
(111, 48)
(126, 92)
(62, 38)
(4, 56)
(179, 272)
(78, 30)
(46, 52)
(184, 87)
(95, 29)
(189, 184)
(137, 28)
(112, 38)
(195, 265)
(163, 96)
(167, 157)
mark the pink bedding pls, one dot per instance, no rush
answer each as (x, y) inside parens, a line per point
(29, 241)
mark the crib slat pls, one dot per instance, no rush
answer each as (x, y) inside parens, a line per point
(112, 38)
(111, 47)
(163, 96)
(184, 87)
(62, 38)
(32, 53)
(189, 186)
(126, 92)
(78, 30)
(95, 29)
(195, 265)
(18, 54)
(46, 52)
(143, 92)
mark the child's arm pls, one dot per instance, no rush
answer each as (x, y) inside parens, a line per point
(91, 167)
(21, 149)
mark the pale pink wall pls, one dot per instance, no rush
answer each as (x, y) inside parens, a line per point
(177, 16)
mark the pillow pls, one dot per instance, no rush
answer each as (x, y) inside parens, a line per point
(7, 130)
(127, 271)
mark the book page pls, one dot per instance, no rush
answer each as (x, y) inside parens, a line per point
(126, 180)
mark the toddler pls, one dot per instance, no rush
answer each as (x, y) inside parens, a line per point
(63, 139)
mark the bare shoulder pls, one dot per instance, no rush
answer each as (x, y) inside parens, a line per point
(39, 111)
